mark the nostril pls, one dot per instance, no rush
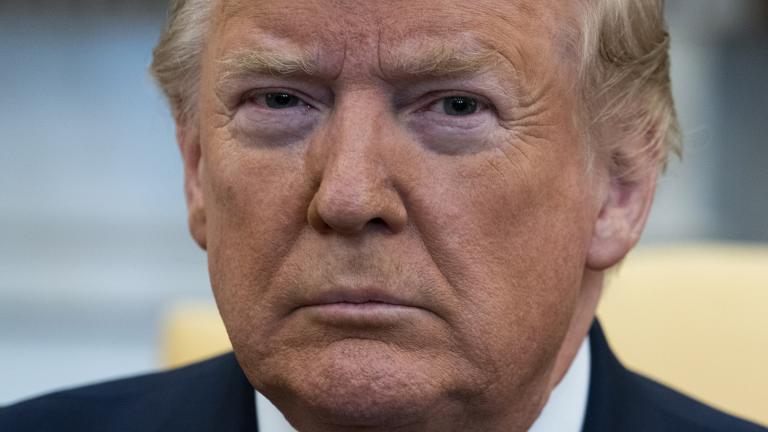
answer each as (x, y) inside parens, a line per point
(377, 221)
(379, 224)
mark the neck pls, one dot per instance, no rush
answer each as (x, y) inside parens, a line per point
(581, 321)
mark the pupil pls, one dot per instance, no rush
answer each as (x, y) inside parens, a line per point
(281, 100)
(459, 106)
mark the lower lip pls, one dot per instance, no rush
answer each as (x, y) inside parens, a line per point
(361, 314)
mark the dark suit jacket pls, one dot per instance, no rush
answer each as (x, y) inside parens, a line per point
(214, 395)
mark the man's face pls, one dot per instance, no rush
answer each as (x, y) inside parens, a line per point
(396, 204)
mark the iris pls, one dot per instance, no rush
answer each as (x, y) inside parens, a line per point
(459, 106)
(281, 100)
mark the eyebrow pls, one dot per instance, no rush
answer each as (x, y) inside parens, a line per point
(250, 62)
(410, 60)
(430, 59)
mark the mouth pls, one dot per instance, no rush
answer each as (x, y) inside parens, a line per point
(360, 307)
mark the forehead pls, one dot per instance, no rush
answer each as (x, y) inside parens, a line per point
(342, 31)
(426, 13)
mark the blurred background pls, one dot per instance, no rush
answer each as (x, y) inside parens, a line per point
(93, 238)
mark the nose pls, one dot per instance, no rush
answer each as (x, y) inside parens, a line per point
(356, 193)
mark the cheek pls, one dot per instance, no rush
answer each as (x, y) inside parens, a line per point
(511, 240)
(255, 208)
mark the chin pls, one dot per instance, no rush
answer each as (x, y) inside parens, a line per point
(355, 383)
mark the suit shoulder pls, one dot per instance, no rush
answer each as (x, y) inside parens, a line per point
(95, 407)
(683, 413)
(621, 400)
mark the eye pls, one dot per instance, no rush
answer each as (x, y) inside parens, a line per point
(281, 100)
(277, 100)
(459, 106)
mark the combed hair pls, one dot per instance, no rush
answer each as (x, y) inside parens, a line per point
(624, 74)
(176, 58)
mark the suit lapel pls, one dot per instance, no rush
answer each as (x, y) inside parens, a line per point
(609, 403)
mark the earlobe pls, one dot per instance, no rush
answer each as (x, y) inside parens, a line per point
(621, 219)
(191, 153)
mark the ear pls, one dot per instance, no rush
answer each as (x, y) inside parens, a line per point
(621, 219)
(188, 139)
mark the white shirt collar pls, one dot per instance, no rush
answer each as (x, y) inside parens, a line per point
(269, 417)
(564, 411)
(567, 405)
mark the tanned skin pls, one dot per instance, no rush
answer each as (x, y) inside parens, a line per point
(404, 227)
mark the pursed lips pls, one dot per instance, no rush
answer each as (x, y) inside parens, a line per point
(359, 296)
(359, 306)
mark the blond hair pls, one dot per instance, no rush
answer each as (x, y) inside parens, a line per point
(624, 76)
(176, 58)
(626, 86)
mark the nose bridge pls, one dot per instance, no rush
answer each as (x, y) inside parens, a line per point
(356, 188)
(354, 145)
